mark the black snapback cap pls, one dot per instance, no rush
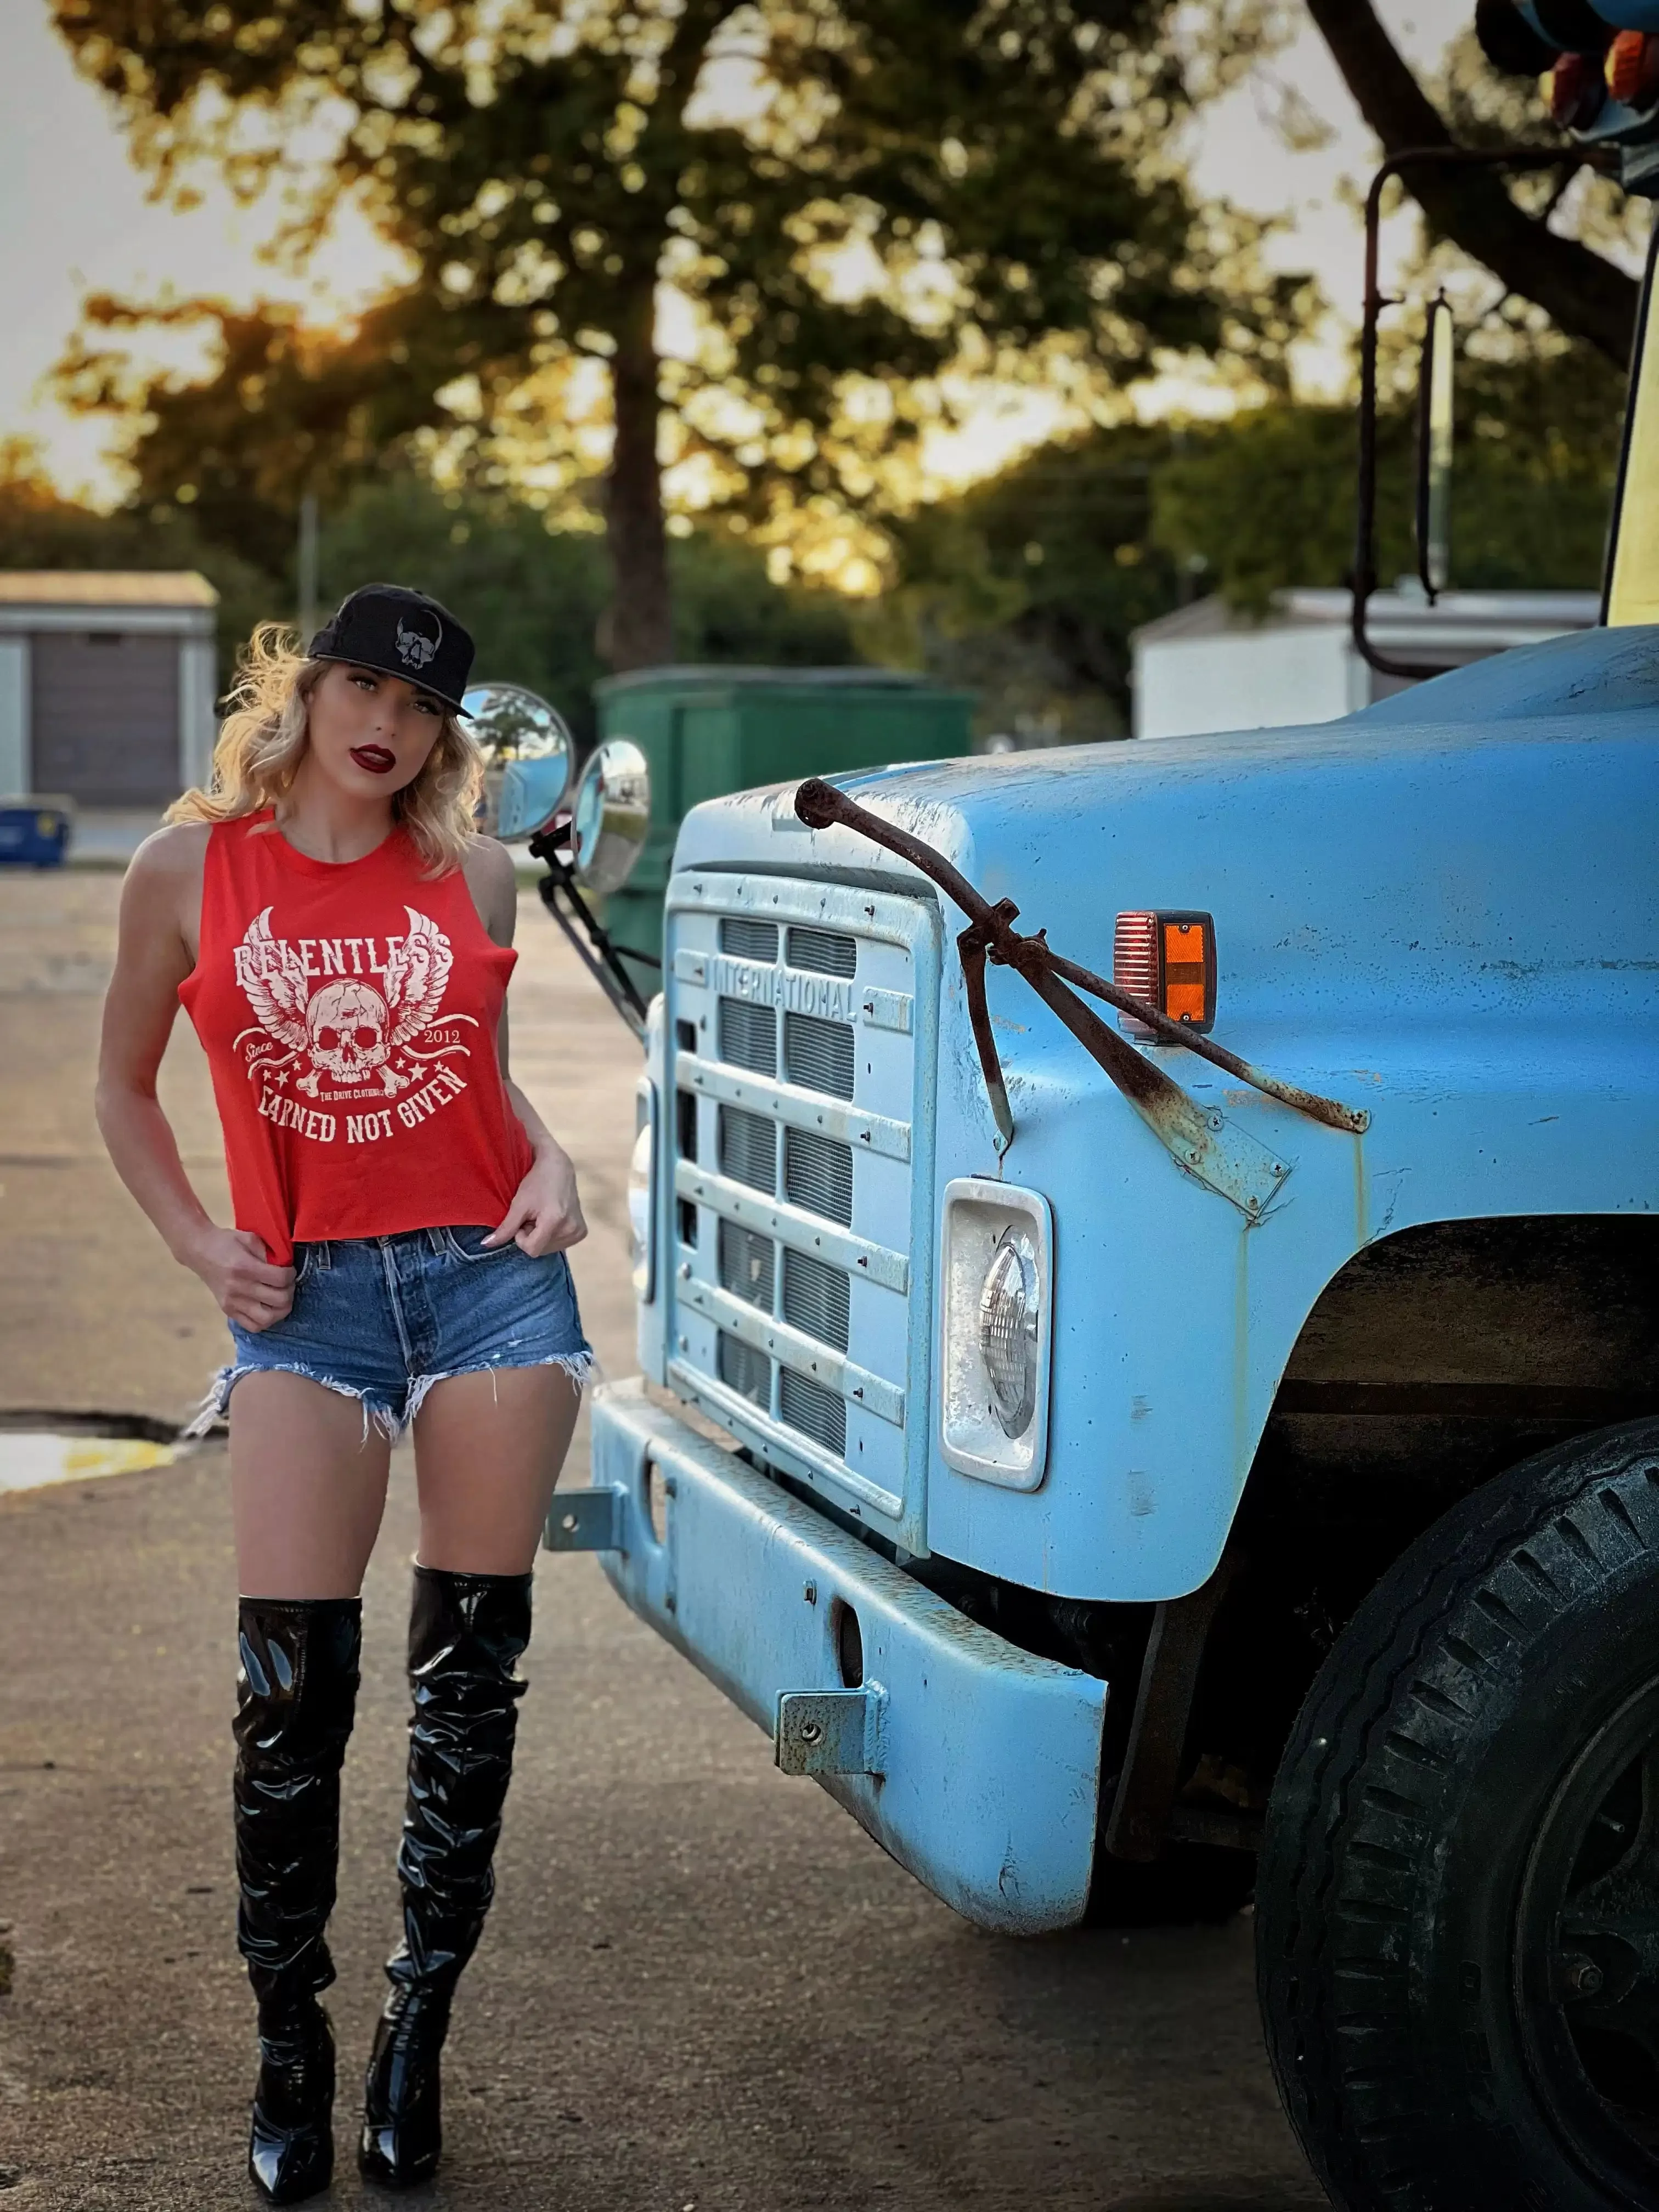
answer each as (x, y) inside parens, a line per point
(401, 633)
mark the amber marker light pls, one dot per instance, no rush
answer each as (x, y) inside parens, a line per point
(1168, 958)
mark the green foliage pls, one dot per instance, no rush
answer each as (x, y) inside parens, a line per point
(531, 596)
(535, 598)
(1028, 588)
(726, 609)
(283, 413)
(1265, 501)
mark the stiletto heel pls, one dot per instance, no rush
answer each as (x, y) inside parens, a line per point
(465, 1634)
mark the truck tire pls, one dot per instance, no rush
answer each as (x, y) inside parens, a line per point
(1457, 1905)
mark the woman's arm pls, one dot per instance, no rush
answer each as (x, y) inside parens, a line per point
(546, 1212)
(152, 959)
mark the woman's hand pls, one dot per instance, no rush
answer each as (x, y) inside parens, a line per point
(546, 1214)
(232, 1262)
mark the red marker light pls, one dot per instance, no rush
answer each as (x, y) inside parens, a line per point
(1168, 959)
(1631, 68)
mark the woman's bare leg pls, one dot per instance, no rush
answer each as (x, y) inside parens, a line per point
(488, 1451)
(308, 1488)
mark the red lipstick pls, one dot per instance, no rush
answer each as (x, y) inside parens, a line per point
(375, 758)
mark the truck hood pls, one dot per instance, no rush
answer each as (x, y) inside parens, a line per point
(1458, 843)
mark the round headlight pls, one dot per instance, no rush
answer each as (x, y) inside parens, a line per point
(1009, 1310)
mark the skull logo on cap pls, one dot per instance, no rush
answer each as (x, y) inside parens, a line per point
(415, 647)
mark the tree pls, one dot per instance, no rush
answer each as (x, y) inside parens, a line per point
(1583, 294)
(1030, 586)
(1249, 505)
(531, 596)
(841, 195)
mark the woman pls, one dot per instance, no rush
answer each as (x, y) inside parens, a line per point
(339, 936)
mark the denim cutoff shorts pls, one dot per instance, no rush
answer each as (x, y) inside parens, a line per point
(381, 1319)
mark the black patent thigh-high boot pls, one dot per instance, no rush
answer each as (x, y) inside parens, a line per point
(465, 1634)
(295, 1696)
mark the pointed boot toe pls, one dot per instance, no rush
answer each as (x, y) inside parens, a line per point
(287, 2165)
(402, 2122)
(290, 2152)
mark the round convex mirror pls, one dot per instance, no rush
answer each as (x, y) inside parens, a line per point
(527, 751)
(610, 816)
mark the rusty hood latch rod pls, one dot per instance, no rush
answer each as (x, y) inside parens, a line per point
(1197, 1138)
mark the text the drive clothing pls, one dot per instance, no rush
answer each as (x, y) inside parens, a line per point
(348, 1012)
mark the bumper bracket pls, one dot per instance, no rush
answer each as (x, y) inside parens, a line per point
(831, 1731)
(585, 1520)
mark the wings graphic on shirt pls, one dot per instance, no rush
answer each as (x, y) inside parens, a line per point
(417, 972)
(274, 978)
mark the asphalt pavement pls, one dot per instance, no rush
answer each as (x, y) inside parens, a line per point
(702, 1986)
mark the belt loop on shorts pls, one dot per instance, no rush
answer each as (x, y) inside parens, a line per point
(435, 1238)
(319, 1255)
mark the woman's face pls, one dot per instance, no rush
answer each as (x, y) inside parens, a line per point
(371, 733)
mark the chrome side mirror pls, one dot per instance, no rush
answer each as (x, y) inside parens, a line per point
(610, 816)
(528, 750)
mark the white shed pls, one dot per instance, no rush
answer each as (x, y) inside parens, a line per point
(107, 684)
(1205, 667)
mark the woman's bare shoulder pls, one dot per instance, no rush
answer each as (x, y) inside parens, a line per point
(162, 897)
(176, 849)
(169, 863)
(492, 878)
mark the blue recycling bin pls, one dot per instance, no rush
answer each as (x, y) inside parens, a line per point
(34, 833)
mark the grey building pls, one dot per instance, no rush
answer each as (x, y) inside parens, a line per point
(107, 684)
(1207, 668)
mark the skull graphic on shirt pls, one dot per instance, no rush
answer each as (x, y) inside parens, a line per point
(349, 1028)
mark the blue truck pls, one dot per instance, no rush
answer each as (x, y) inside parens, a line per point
(1140, 1460)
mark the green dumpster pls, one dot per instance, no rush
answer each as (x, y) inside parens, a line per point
(709, 731)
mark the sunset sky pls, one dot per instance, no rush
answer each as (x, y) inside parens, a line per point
(78, 220)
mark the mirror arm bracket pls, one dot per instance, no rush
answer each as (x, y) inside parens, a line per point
(597, 954)
(1409, 157)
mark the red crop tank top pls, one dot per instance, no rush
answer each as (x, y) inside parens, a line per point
(348, 1012)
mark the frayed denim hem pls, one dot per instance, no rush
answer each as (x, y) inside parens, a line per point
(216, 1404)
(580, 1366)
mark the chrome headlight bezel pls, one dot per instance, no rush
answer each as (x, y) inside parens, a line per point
(998, 1436)
(642, 1192)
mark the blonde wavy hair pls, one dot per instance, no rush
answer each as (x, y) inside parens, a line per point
(262, 741)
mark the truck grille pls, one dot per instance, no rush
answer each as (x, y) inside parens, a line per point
(818, 1055)
(794, 1200)
(818, 1174)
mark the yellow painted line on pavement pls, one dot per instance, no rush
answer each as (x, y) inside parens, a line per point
(30, 1460)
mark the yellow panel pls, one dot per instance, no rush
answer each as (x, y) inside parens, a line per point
(1634, 597)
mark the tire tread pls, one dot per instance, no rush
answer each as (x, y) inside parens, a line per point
(1377, 1739)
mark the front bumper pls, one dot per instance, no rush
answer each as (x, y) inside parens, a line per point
(986, 1759)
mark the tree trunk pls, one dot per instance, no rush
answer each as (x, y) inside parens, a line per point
(639, 630)
(1581, 293)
